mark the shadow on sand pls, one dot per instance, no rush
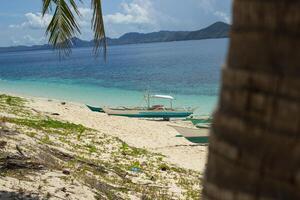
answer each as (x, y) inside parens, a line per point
(5, 195)
(183, 145)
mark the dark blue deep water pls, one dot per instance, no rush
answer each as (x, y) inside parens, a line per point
(191, 67)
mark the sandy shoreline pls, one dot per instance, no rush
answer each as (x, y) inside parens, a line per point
(155, 136)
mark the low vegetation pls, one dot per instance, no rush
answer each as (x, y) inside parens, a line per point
(71, 156)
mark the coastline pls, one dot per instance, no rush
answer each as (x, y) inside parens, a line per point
(100, 96)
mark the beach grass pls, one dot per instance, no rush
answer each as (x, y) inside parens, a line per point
(49, 125)
(111, 168)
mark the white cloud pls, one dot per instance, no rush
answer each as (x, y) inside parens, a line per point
(209, 7)
(223, 16)
(35, 25)
(37, 21)
(34, 21)
(137, 16)
(206, 5)
(86, 17)
(137, 12)
(28, 40)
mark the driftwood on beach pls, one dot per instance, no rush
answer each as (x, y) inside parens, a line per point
(9, 161)
(13, 162)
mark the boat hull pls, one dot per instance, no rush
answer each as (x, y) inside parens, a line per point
(203, 125)
(198, 140)
(148, 114)
(95, 109)
(200, 136)
(196, 121)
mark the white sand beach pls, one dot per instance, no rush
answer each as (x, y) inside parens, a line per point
(57, 149)
(153, 135)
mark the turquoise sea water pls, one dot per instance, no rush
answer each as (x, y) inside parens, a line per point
(188, 70)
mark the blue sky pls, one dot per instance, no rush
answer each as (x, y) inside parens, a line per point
(21, 23)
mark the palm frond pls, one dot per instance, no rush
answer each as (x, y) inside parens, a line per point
(46, 6)
(98, 27)
(62, 28)
(74, 6)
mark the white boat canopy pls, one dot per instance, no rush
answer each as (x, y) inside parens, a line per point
(162, 97)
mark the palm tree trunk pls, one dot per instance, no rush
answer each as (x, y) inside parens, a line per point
(254, 150)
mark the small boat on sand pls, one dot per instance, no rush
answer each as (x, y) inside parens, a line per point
(155, 111)
(194, 135)
(95, 109)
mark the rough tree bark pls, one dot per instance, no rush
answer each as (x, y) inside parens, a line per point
(254, 150)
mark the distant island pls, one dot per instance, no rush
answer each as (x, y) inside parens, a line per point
(216, 30)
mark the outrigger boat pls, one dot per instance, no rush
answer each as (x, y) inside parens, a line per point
(194, 135)
(155, 111)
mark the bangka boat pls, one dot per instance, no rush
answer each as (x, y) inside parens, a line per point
(155, 111)
(95, 109)
(194, 135)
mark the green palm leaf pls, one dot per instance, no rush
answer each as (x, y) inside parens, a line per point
(64, 26)
(98, 27)
(46, 6)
